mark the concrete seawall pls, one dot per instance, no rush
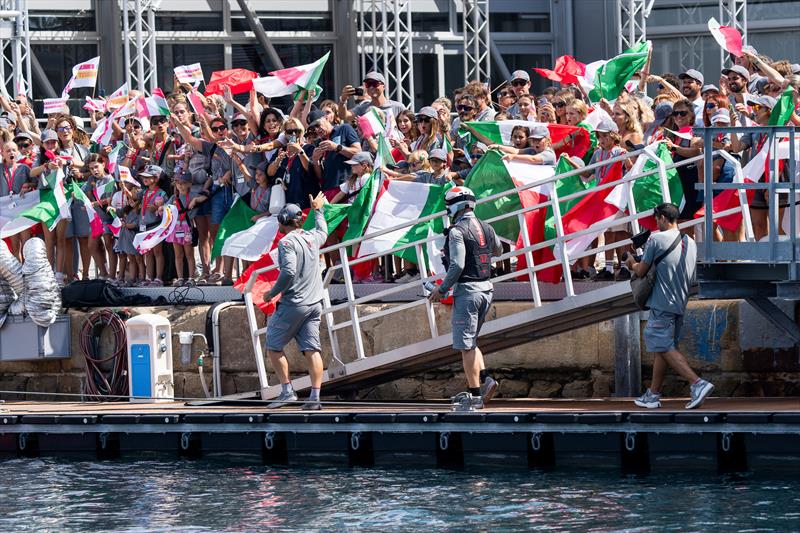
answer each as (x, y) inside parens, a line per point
(725, 340)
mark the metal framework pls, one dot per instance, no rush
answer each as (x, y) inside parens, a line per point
(477, 44)
(690, 50)
(141, 71)
(15, 64)
(386, 45)
(572, 311)
(632, 22)
(733, 13)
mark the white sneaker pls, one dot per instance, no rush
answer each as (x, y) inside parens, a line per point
(408, 277)
(649, 399)
(284, 398)
(699, 391)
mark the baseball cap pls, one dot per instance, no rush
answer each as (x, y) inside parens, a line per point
(289, 212)
(722, 115)
(439, 154)
(428, 111)
(315, 116)
(23, 135)
(361, 158)
(375, 76)
(238, 116)
(606, 125)
(539, 131)
(795, 68)
(184, 177)
(766, 101)
(49, 135)
(662, 112)
(693, 74)
(709, 87)
(737, 69)
(520, 75)
(151, 170)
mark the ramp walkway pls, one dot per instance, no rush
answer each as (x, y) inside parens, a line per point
(351, 371)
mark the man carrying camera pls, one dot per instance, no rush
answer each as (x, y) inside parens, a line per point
(674, 256)
(374, 87)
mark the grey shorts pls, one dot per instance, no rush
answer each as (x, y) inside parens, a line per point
(662, 331)
(300, 323)
(469, 312)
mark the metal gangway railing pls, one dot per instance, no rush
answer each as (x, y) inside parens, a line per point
(348, 366)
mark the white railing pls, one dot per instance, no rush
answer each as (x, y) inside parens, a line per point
(562, 258)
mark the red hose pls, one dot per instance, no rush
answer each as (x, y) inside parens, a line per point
(104, 375)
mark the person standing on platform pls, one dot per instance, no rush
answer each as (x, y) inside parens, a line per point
(469, 246)
(674, 256)
(298, 312)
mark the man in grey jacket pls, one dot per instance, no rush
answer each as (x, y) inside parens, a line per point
(298, 313)
(469, 247)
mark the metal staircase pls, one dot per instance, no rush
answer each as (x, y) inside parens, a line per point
(351, 371)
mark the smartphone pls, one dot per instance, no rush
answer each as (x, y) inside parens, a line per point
(542, 101)
(293, 138)
(359, 91)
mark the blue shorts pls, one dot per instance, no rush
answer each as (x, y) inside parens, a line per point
(469, 312)
(298, 322)
(221, 203)
(662, 331)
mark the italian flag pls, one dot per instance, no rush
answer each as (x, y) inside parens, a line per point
(147, 240)
(406, 201)
(155, 105)
(491, 175)
(500, 133)
(113, 157)
(783, 109)
(728, 38)
(371, 123)
(237, 219)
(290, 80)
(252, 243)
(53, 206)
(94, 219)
(364, 203)
(542, 227)
(607, 78)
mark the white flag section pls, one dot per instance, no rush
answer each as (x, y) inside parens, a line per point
(272, 86)
(252, 243)
(596, 116)
(189, 73)
(54, 105)
(402, 201)
(83, 75)
(146, 240)
(12, 206)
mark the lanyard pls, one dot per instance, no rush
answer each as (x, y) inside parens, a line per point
(9, 179)
(602, 171)
(185, 209)
(146, 200)
(259, 197)
(159, 150)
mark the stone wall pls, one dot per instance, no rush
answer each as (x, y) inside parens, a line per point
(725, 341)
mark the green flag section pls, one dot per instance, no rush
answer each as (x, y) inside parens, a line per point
(334, 215)
(564, 187)
(783, 109)
(364, 202)
(607, 78)
(491, 175)
(647, 190)
(53, 206)
(405, 201)
(238, 218)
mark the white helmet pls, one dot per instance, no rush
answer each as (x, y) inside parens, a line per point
(459, 198)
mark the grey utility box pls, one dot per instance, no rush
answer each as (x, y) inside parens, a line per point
(22, 340)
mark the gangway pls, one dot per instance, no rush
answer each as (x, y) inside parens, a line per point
(352, 371)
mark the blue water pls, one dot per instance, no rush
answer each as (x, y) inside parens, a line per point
(213, 495)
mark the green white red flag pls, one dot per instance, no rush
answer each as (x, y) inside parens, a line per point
(607, 78)
(290, 80)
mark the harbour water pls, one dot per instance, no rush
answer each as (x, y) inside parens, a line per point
(165, 494)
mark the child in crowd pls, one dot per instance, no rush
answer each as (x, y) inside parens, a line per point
(100, 188)
(182, 238)
(131, 216)
(361, 164)
(152, 199)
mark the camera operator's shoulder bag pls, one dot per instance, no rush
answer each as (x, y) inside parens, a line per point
(641, 288)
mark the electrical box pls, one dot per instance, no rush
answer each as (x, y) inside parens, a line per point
(150, 359)
(22, 340)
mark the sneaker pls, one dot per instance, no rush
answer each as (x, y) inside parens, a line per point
(178, 282)
(156, 282)
(464, 401)
(312, 405)
(604, 275)
(624, 274)
(408, 277)
(649, 400)
(477, 402)
(699, 391)
(488, 389)
(285, 398)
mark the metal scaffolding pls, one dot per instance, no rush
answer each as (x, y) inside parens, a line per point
(15, 65)
(141, 72)
(477, 45)
(733, 13)
(691, 51)
(632, 22)
(385, 45)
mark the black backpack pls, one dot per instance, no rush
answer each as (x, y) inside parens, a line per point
(98, 293)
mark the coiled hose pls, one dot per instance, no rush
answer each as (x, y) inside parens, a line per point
(105, 376)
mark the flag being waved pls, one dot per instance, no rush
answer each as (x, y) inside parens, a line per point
(290, 80)
(189, 73)
(146, 240)
(83, 75)
(728, 38)
(53, 206)
(607, 78)
(566, 70)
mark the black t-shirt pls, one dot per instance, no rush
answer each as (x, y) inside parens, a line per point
(335, 170)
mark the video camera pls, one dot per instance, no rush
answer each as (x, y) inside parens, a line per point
(638, 241)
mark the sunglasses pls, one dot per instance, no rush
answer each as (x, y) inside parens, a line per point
(18, 102)
(293, 132)
(710, 105)
(519, 83)
(217, 129)
(464, 108)
(372, 84)
(422, 120)
(239, 123)
(158, 121)
(22, 146)
(756, 107)
(312, 131)
(503, 94)
(680, 113)
(559, 105)
(660, 87)
(63, 129)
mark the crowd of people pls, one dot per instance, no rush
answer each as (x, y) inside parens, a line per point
(200, 160)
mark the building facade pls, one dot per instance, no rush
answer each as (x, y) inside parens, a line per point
(523, 33)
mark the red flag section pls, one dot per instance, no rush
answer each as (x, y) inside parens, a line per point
(239, 80)
(580, 142)
(566, 70)
(727, 199)
(265, 280)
